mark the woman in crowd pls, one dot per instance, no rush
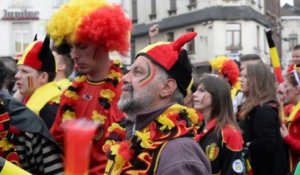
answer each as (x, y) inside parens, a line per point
(290, 130)
(221, 138)
(261, 121)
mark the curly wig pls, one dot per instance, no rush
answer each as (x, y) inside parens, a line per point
(217, 62)
(227, 67)
(93, 21)
(230, 70)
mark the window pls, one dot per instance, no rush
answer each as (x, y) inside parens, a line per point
(233, 37)
(21, 37)
(134, 11)
(20, 3)
(173, 8)
(293, 40)
(259, 4)
(170, 36)
(153, 9)
(191, 44)
(192, 4)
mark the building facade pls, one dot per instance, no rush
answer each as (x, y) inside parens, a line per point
(20, 20)
(224, 27)
(290, 19)
(272, 13)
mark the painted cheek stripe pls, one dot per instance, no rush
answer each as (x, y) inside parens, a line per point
(30, 82)
(204, 96)
(94, 56)
(149, 77)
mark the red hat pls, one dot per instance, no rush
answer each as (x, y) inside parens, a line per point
(38, 55)
(174, 59)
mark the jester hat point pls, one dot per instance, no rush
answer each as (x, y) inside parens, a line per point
(172, 58)
(38, 55)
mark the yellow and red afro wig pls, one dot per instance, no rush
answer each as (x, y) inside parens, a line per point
(92, 21)
(227, 67)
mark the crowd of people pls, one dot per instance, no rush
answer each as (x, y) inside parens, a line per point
(157, 118)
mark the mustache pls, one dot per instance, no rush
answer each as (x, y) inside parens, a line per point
(127, 87)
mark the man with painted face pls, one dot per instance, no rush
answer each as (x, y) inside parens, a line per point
(95, 29)
(34, 80)
(159, 131)
(25, 139)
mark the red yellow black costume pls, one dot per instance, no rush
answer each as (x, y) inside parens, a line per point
(224, 150)
(99, 23)
(292, 121)
(95, 101)
(39, 56)
(140, 154)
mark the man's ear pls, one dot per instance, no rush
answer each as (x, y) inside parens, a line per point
(60, 67)
(44, 76)
(168, 88)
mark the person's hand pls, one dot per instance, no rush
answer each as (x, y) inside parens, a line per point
(153, 30)
(284, 131)
(281, 92)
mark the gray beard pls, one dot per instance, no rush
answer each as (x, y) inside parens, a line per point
(127, 106)
(132, 105)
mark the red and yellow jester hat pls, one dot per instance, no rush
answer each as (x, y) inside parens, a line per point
(227, 67)
(174, 59)
(38, 55)
(91, 21)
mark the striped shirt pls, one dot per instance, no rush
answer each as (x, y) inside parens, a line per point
(38, 155)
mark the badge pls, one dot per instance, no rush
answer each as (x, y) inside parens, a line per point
(87, 97)
(212, 151)
(237, 166)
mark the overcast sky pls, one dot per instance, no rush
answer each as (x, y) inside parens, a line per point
(286, 1)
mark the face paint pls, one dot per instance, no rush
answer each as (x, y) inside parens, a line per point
(94, 56)
(151, 71)
(30, 81)
(203, 98)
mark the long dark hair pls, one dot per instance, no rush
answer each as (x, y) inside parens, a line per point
(262, 88)
(221, 103)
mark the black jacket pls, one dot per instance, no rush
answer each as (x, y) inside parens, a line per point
(266, 150)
